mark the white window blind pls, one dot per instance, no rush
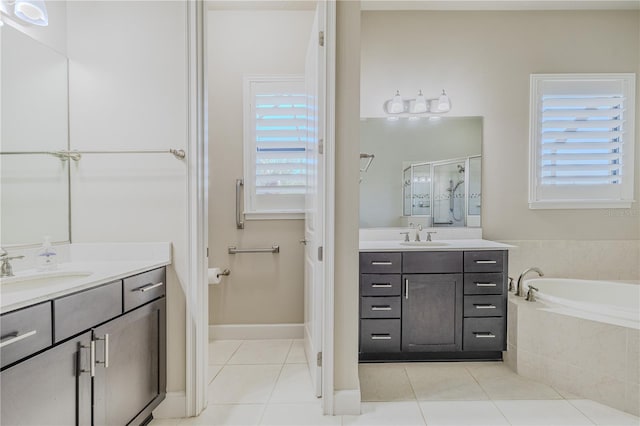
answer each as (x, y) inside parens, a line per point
(582, 140)
(275, 144)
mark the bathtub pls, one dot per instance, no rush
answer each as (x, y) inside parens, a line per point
(610, 302)
(579, 336)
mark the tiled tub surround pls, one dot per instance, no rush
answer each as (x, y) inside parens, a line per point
(590, 359)
(588, 259)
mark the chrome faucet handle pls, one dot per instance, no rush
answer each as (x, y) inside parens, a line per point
(406, 236)
(511, 287)
(429, 234)
(531, 297)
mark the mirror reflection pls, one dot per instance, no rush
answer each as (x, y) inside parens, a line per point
(425, 171)
(34, 183)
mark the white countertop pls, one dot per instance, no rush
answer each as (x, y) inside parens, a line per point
(442, 245)
(98, 264)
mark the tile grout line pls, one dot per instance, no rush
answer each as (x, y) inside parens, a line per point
(266, 405)
(504, 416)
(475, 379)
(582, 412)
(406, 373)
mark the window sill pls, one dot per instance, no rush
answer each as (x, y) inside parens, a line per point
(569, 205)
(274, 216)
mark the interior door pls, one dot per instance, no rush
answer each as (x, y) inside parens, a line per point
(314, 203)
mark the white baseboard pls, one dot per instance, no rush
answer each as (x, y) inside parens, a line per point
(256, 331)
(346, 402)
(174, 406)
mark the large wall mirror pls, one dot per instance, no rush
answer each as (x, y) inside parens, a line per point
(423, 171)
(34, 182)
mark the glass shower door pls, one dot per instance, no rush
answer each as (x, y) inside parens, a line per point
(449, 194)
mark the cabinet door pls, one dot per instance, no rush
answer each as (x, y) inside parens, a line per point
(432, 312)
(50, 388)
(133, 380)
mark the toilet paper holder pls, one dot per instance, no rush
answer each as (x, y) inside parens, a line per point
(226, 272)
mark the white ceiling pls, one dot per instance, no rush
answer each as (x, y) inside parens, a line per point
(500, 5)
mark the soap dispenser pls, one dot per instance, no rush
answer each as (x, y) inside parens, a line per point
(46, 257)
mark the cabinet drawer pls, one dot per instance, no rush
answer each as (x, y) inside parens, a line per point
(432, 262)
(81, 311)
(483, 306)
(483, 334)
(484, 283)
(144, 288)
(25, 332)
(485, 261)
(380, 263)
(380, 335)
(380, 285)
(380, 307)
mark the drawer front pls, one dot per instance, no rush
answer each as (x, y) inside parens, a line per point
(424, 262)
(380, 335)
(24, 332)
(380, 307)
(380, 263)
(81, 311)
(483, 306)
(484, 283)
(380, 285)
(483, 334)
(144, 288)
(485, 261)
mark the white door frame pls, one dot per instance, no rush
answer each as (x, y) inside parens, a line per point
(197, 315)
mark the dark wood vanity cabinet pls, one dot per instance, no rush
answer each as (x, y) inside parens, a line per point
(101, 367)
(433, 305)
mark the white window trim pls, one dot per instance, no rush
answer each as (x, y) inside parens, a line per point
(249, 155)
(628, 154)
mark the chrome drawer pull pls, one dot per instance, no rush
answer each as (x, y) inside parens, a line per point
(148, 287)
(92, 358)
(485, 306)
(106, 350)
(381, 285)
(15, 337)
(485, 284)
(381, 308)
(487, 335)
(380, 337)
(406, 288)
(486, 261)
(381, 263)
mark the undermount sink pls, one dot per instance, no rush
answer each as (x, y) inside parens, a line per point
(424, 244)
(35, 279)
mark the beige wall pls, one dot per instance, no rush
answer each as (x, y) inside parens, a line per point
(128, 91)
(262, 288)
(484, 59)
(346, 208)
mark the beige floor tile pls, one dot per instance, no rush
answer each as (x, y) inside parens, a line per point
(438, 382)
(406, 413)
(307, 414)
(489, 370)
(385, 382)
(165, 422)
(296, 353)
(293, 385)
(246, 384)
(220, 351)
(603, 415)
(539, 413)
(517, 387)
(462, 413)
(261, 352)
(229, 414)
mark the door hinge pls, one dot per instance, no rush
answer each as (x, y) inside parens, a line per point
(320, 254)
(320, 146)
(207, 251)
(321, 38)
(319, 359)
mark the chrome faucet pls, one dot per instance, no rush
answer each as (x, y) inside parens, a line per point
(418, 232)
(519, 290)
(406, 236)
(429, 234)
(6, 270)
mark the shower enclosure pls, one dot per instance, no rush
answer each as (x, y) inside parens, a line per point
(446, 193)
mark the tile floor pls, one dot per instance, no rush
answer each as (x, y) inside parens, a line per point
(266, 382)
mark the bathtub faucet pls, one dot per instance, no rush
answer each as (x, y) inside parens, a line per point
(519, 289)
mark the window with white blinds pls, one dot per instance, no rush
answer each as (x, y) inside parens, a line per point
(582, 141)
(275, 131)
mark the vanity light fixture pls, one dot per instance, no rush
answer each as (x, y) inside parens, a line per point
(418, 105)
(32, 11)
